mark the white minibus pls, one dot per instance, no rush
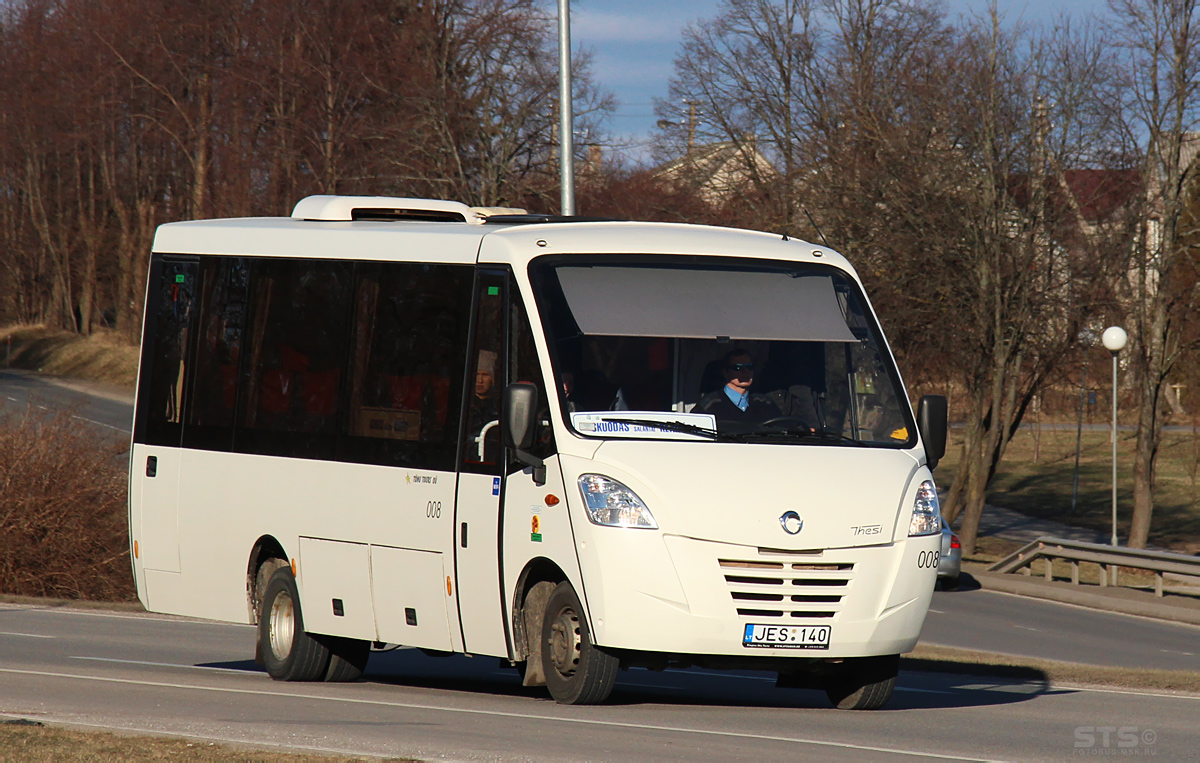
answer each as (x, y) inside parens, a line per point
(577, 445)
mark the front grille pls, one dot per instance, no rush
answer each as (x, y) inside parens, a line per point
(783, 589)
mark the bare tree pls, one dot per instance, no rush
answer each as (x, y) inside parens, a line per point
(934, 158)
(1159, 39)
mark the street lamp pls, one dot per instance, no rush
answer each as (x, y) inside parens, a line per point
(566, 121)
(1114, 338)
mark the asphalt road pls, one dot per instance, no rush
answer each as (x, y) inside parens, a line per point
(111, 410)
(167, 676)
(997, 622)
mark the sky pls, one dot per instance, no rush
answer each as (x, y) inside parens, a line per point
(634, 43)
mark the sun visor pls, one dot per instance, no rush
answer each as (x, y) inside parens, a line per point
(703, 304)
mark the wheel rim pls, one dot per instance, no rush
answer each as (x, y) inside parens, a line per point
(565, 640)
(282, 626)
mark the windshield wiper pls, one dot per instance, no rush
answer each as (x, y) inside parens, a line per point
(670, 426)
(802, 433)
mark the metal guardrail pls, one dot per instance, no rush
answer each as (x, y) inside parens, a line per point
(1109, 559)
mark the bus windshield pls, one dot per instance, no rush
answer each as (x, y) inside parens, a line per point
(731, 350)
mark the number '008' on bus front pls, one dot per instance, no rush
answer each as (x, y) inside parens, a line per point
(786, 636)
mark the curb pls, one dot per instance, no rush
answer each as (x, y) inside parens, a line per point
(1125, 601)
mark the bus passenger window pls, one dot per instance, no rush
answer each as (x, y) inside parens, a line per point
(296, 356)
(218, 349)
(168, 370)
(406, 364)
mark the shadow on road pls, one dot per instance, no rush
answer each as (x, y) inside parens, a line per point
(917, 687)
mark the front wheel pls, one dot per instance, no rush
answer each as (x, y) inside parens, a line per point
(577, 671)
(864, 683)
(288, 653)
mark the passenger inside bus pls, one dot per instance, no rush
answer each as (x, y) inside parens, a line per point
(484, 411)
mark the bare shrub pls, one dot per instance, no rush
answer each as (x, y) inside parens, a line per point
(63, 518)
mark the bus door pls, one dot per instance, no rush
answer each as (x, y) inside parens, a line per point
(477, 507)
(504, 517)
(158, 432)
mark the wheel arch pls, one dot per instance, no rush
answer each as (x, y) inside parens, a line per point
(265, 549)
(537, 570)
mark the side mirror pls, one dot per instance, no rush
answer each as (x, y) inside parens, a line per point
(518, 415)
(518, 412)
(932, 423)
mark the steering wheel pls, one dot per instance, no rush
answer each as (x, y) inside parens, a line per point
(788, 422)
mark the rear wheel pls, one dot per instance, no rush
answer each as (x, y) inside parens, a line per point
(288, 653)
(577, 671)
(864, 683)
(347, 658)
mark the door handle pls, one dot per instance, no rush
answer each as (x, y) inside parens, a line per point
(462, 532)
(151, 466)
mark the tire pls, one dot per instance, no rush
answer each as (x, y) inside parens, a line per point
(950, 584)
(265, 571)
(866, 683)
(347, 658)
(288, 653)
(577, 671)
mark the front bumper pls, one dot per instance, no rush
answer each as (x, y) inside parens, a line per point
(672, 594)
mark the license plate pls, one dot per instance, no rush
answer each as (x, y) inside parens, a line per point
(786, 636)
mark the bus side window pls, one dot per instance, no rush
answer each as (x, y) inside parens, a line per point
(406, 364)
(175, 297)
(222, 316)
(297, 339)
(524, 366)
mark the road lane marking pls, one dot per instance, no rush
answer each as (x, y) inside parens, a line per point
(26, 635)
(101, 424)
(140, 616)
(937, 611)
(1130, 692)
(159, 664)
(923, 691)
(622, 725)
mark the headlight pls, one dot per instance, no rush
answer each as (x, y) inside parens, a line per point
(926, 516)
(612, 504)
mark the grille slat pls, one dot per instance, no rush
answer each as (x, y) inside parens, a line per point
(759, 582)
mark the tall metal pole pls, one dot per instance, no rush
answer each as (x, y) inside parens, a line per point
(1114, 451)
(566, 120)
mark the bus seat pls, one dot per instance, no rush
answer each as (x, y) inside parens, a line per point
(275, 391)
(320, 392)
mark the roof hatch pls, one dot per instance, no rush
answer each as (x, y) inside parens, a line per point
(391, 208)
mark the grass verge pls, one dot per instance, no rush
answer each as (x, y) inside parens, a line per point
(25, 740)
(1037, 478)
(101, 357)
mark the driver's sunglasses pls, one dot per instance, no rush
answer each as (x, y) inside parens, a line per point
(741, 367)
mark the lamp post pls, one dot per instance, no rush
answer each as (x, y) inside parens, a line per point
(1114, 338)
(566, 121)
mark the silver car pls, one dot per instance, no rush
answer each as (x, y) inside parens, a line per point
(950, 560)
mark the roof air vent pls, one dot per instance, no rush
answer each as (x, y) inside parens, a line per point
(383, 208)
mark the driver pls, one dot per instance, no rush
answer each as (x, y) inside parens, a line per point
(733, 403)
